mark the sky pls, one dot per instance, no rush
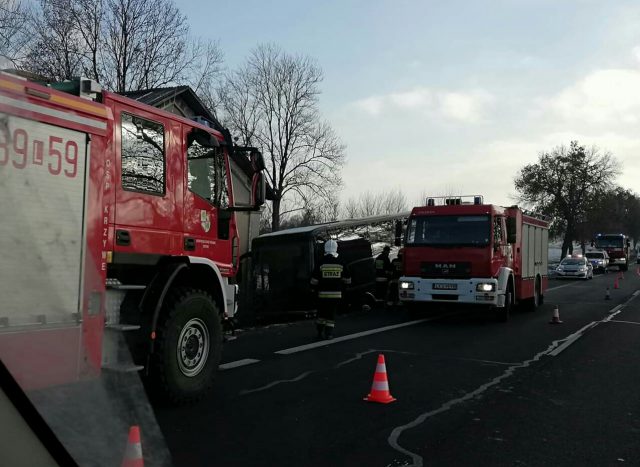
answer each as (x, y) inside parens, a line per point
(454, 96)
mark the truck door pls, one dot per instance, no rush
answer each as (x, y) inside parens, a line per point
(502, 251)
(207, 222)
(148, 217)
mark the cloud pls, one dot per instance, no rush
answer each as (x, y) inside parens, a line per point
(463, 107)
(604, 98)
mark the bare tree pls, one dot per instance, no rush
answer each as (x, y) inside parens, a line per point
(55, 50)
(370, 204)
(13, 22)
(272, 103)
(126, 45)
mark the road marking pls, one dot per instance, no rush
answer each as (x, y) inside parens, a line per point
(483, 361)
(620, 321)
(560, 287)
(315, 345)
(270, 385)
(238, 363)
(417, 460)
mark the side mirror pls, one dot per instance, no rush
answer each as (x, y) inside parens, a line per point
(512, 230)
(258, 190)
(398, 233)
(203, 138)
(257, 161)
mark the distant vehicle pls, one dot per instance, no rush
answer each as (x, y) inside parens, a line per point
(464, 251)
(598, 259)
(617, 246)
(574, 267)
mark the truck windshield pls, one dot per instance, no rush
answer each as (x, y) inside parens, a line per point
(449, 230)
(609, 242)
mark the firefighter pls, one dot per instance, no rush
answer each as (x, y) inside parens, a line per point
(396, 272)
(329, 279)
(383, 273)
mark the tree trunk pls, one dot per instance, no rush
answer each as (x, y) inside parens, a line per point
(275, 213)
(567, 245)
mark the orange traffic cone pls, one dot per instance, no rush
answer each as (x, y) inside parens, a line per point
(133, 453)
(615, 284)
(380, 387)
(556, 316)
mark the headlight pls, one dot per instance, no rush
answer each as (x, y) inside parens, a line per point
(560, 268)
(406, 285)
(485, 287)
(582, 268)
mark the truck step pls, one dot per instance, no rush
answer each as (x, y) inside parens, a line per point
(126, 286)
(123, 327)
(121, 367)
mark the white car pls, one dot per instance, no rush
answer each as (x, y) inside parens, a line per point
(598, 259)
(574, 267)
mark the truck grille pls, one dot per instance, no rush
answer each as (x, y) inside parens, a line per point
(444, 269)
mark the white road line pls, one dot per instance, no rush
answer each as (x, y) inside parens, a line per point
(417, 460)
(238, 363)
(275, 383)
(566, 344)
(560, 287)
(620, 321)
(315, 345)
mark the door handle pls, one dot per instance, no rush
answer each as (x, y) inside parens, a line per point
(123, 238)
(189, 243)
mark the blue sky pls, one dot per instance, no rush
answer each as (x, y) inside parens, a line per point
(440, 97)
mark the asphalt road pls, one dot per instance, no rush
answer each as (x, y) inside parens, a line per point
(470, 391)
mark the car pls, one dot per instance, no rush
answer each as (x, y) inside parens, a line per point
(574, 267)
(598, 259)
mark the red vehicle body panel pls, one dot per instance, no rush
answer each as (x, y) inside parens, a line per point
(485, 261)
(158, 224)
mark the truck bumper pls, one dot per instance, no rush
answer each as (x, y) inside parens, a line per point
(416, 289)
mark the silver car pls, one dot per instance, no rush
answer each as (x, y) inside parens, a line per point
(574, 267)
(598, 259)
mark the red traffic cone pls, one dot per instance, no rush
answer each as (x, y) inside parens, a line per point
(133, 453)
(607, 295)
(638, 271)
(615, 284)
(556, 316)
(380, 387)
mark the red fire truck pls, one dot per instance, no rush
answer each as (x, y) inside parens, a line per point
(118, 225)
(617, 246)
(460, 250)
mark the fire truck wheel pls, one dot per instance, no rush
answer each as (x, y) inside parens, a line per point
(188, 347)
(533, 303)
(502, 314)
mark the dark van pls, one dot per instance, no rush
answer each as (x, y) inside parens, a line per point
(281, 263)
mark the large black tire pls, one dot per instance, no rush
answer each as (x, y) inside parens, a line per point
(533, 303)
(188, 347)
(502, 314)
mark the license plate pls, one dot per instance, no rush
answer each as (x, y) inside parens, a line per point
(445, 286)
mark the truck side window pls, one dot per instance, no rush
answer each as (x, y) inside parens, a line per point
(208, 174)
(498, 235)
(142, 155)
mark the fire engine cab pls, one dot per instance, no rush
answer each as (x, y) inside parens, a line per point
(118, 237)
(459, 250)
